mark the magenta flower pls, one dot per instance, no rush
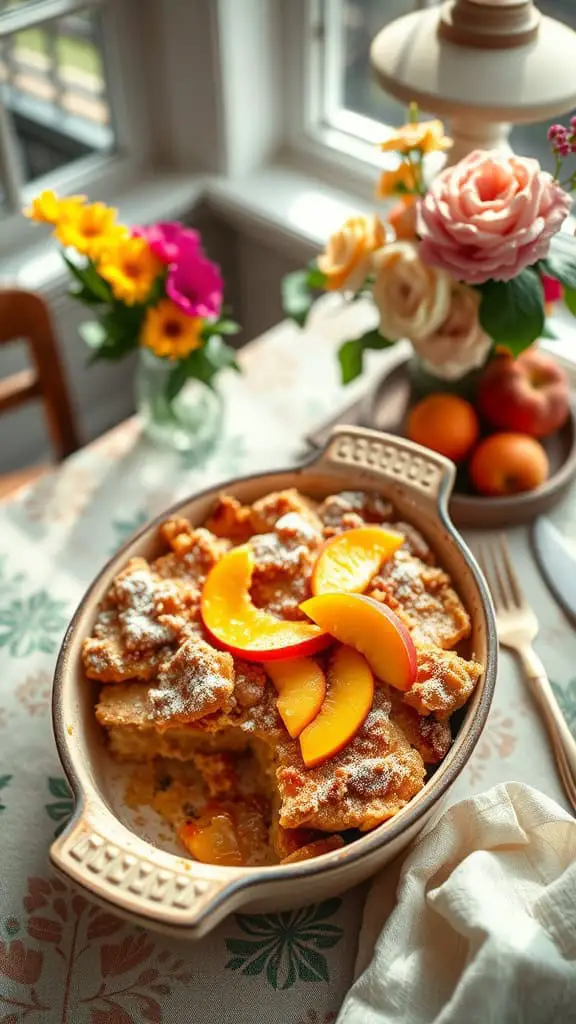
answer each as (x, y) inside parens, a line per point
(194, 283)
(552, 289)
(167, 238)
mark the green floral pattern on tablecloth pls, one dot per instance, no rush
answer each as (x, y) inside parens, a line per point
(124, 528)
(60, 809)
(286, 946)
(4, 781)
(33, 623)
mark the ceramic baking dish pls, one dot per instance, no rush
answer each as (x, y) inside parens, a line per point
(123, 862)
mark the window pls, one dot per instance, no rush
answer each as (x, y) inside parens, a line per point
(348, 101)
(54, 106)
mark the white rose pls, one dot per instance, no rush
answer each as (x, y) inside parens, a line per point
(412, 298)
(458, 344)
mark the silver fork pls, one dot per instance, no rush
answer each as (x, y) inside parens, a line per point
(517, 627)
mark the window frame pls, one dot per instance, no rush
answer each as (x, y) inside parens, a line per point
(96, 174)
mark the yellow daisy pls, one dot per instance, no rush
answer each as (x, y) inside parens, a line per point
(130, 269)
(169, 332)
(48, 208)
(89, 229)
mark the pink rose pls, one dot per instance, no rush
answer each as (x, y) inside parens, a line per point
(490, 216)
(194, 283)
(167, 238)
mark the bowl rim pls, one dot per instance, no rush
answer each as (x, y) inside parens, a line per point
(247, 878)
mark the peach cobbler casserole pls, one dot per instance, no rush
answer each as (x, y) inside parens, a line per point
(282, 676)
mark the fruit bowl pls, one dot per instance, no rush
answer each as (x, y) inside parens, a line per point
(123, 859)
(385, 407)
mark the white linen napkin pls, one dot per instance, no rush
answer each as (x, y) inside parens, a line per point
(484, 923)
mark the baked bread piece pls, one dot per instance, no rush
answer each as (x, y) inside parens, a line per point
(283, 564)
(444, 683)
(423, 598)
(196, 681)
(371, 779)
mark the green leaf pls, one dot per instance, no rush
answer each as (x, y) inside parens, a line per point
(4, 780)
(296, 296)
(512, 312)
(351, 358)
(90, 280)
(351, 353)
(221, 355)
(560, 266)
(570, 299)
(176, 380)
(93, 333)
(226, 327)
(316, 278)
(59, 788)
(312, 966)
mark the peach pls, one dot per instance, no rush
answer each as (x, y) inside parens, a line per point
(527, 395)
(236, 624)
(373, 629)
(350, 560)
(508, 464)
(212, 839)
(348, 701)
(446, 424)
(315, 849)
(301, 687)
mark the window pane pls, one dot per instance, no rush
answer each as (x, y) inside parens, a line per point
(349, 29)
(530, 139)
(53, 92)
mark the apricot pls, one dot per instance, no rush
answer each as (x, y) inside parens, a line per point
(446, 424)
(235, 623)
(373, 629)
(348, 700)
(350, 560)
(301, 687)
(508, 464)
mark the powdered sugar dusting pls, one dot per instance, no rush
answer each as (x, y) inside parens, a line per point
(195, 682)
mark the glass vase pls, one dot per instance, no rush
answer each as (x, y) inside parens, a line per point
(423, 382)
(191, 422)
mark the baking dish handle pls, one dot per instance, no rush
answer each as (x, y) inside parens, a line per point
(138, 879)
(428, 475)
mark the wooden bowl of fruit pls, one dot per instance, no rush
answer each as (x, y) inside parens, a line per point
(513, 441)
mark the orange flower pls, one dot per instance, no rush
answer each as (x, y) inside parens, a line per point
(425, 136)
(347, 258)
(401, 181)
(169, 332)
(89, 229)
(130, 269)
(402, 219)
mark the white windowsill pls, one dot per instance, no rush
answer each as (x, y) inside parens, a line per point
(279, 205)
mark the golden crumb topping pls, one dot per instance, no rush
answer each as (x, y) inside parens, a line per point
(444, 683)
(421, 594)
(196, 681)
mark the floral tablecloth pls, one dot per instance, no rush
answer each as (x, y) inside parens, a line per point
(64, 961)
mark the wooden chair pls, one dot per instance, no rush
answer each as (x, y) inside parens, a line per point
(25, 316)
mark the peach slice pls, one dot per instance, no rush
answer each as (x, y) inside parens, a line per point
(301, 686)
(236, 624)
(348, 701)
(348, 561)
(212, 839)
(373, 629)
